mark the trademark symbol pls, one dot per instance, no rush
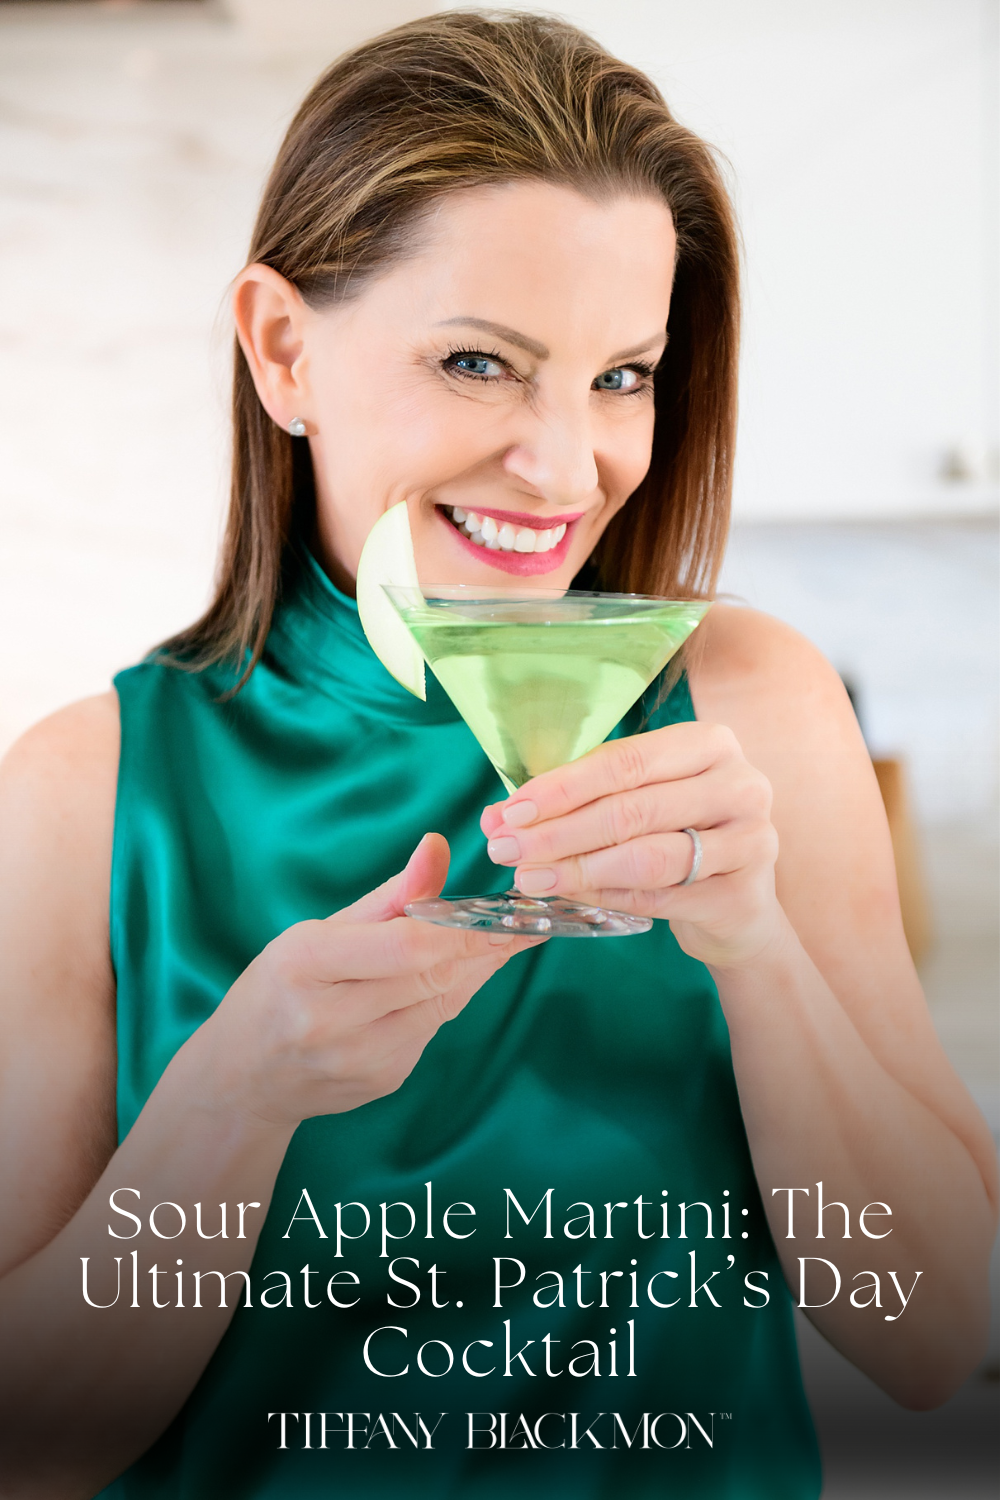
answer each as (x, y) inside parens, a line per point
(725, 1416)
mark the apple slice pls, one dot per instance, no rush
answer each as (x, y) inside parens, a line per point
(387, 557)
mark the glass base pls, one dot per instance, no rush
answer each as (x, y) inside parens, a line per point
(528, 916)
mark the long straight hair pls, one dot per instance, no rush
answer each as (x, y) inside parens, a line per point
(461, 100)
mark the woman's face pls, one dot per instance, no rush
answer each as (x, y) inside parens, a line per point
(499, 381)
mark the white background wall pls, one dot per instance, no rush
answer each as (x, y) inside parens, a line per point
(861, 137)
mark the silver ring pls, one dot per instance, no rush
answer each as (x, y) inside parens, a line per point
(692, 874)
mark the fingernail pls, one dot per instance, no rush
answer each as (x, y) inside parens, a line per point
(504, 851)
(519, 814)
(534, 882)
(500, 939)
(417, 850)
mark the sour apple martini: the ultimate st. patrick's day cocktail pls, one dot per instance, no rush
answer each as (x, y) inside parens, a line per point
(539, 675)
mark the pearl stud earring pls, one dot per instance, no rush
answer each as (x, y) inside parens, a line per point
(297, 427)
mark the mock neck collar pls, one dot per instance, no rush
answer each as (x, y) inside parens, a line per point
(316, 638)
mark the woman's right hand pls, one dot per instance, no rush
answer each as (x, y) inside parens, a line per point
(335, 1013)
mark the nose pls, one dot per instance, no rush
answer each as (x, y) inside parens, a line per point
(556, 456)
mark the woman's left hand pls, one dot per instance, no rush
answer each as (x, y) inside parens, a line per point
(608, 829)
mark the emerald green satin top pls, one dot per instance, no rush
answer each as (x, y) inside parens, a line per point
(599, 1069)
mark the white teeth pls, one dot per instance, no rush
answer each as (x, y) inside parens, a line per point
(484, 531)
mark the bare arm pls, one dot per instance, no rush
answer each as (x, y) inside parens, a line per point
(332, 1014)
(57, 1059)
(841, 1077)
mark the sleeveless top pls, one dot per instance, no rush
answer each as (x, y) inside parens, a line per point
(586, 1075)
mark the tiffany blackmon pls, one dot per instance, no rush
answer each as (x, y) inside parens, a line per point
(494, 1429)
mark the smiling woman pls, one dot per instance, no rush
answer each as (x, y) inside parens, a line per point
(476, 240)
(530, 434)
(536, 175)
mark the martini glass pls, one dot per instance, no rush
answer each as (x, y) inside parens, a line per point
(540, 676)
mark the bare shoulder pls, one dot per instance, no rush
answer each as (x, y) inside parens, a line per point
(57, 804)
(76, 744)
(783, 700)
(57, 1022)
(57, 783)
(794, 722)
(744, 657)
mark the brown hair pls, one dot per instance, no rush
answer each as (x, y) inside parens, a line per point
(459, 100)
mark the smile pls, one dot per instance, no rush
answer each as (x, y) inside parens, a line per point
(485, 531)
(508, 541)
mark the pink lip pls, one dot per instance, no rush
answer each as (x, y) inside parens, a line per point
(518, 518)
(525, 564)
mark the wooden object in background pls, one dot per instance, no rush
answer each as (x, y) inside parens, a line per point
(909, 870)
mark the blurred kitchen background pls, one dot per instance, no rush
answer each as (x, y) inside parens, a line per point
(861, 143)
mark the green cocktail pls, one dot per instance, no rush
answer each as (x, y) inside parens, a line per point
(540, 676)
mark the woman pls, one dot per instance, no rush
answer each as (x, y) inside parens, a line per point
(475, 239)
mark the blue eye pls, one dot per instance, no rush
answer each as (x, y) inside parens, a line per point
(623, 379)
(480, 366)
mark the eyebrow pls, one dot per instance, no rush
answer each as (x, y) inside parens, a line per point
(501, 331)
(650, 343)
(532, 346)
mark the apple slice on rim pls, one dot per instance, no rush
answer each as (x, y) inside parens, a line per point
(387, 557)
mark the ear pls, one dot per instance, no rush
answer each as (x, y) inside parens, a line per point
(270, 320)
